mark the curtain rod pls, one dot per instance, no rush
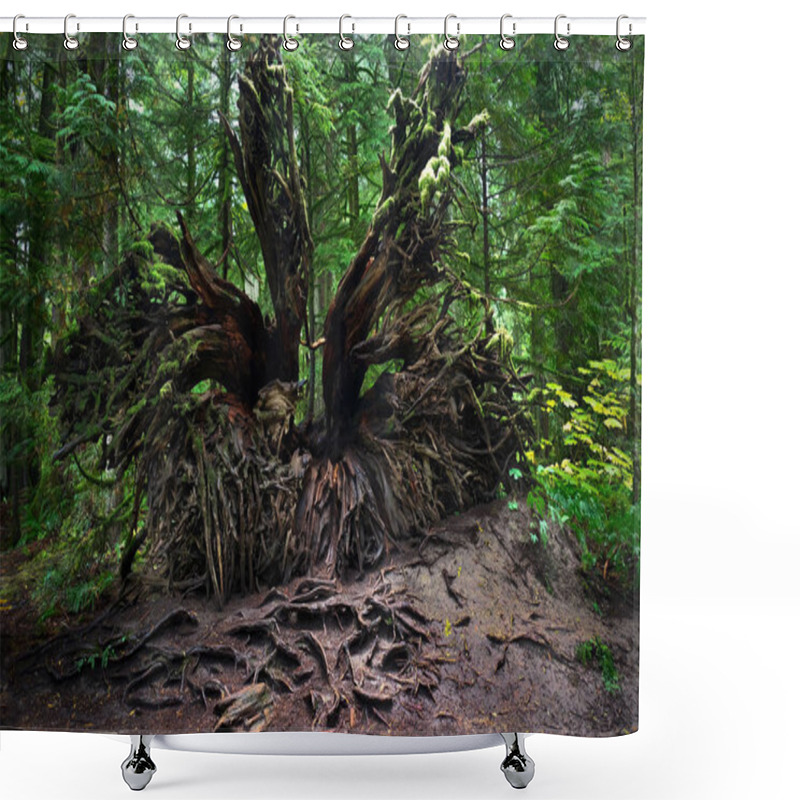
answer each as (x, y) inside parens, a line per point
(303, 25)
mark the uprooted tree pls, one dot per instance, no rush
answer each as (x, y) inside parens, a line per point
(237, 492)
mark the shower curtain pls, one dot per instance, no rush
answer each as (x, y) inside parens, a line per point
(321, 385)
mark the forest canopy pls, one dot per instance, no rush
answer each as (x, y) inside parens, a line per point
(267, 314)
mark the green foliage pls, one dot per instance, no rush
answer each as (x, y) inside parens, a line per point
(515, 475)
(81, 561)
(590, 487)
(596, 651)
(82, 518)
(27, 421)
(546, 515)
(605, 523)
(64, 586)
(86, 112)
(100, 656)
(374, 371)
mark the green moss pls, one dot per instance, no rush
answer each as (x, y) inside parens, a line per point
(383, 211)
(137, 406)
(395, 101)
(444, 144)
(503, 341)
(143, 248)
(479, 120)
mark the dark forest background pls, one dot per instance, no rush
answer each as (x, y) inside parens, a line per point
(543, 238)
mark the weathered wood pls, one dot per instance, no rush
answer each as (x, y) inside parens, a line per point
(266, 162)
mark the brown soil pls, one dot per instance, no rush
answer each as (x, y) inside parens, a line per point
(473, 629)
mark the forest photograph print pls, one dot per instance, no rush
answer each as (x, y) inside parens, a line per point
(320, 386)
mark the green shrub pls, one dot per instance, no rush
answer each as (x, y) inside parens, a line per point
(82, 519)
(586, 480)
(596, 651)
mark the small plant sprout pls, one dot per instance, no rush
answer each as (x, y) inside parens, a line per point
(515, 474)
(596, 651)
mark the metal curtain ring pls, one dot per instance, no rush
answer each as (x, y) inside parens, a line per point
(506, 42)
(70, 42)
(182, 42)
(289, 43)
(451, 42)
(345, 42)
(19, 42)
(561, 43)
(623, 44)
(128, 42)
(400, 42)
(233, 44)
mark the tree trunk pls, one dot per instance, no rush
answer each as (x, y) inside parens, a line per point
(311, 394)
(487, 281)
(391, 266)
(191, 142)
(266, 162)
(633, 297)
(225, 183)
(353, 205)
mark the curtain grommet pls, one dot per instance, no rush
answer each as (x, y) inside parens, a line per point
(70, 42)
(451, 42)
(290, 44)
(345, 42)
(128, 42)
(20, 43)
(233, 44)
(182, 42)
(401, 42)
(561, 42)
(623, 44)
(507, 42)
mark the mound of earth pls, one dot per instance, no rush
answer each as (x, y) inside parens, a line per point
(472, 629)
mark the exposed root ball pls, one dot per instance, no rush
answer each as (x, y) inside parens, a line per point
(236, 494)
(221, 505)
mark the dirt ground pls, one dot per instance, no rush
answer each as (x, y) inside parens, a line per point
(472, 629)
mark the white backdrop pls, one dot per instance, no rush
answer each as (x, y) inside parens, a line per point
(720, 553)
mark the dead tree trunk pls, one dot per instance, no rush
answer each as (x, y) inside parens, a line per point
(400, 253)
(266, 162)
